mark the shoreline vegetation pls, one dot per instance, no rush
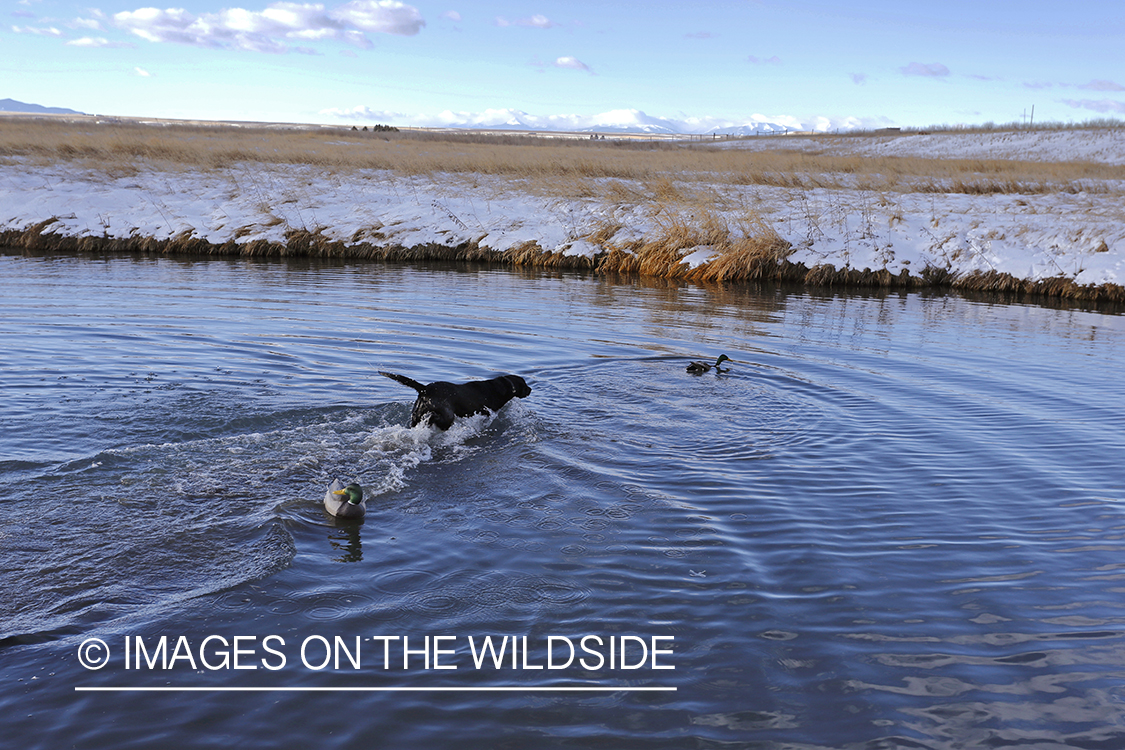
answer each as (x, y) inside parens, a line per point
(852, 210)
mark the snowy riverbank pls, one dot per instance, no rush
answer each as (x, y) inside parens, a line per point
(1078, 236)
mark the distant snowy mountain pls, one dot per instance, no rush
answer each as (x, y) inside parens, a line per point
(11, 105)
(753, 129)
(614, 121)
(631, 121)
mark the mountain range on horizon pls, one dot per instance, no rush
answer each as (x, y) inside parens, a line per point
(613, 121)
(11, 105)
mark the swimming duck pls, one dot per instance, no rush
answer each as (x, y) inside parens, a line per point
(345, 502)
(698, 368)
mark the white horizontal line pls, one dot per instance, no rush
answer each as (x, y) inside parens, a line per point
(603, 689)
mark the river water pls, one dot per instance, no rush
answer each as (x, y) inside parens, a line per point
(896, 522)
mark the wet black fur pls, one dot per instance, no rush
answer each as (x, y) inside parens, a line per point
(441, 402)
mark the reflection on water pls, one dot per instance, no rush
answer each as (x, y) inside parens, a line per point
(895, 522)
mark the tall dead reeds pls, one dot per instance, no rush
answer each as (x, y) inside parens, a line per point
(754, 252)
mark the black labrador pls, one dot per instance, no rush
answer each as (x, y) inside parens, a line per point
(442, 401)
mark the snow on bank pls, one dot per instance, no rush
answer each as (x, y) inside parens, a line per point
(1079, 236)
(263, 202)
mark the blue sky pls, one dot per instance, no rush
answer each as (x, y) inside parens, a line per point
(705, 64)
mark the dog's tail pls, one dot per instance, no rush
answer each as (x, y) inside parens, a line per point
(404, 380)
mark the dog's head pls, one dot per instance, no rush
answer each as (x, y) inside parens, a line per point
(520, 388)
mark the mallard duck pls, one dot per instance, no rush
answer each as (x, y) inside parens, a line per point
(698, 368)
(345, 502)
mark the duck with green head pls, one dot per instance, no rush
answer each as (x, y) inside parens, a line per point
(698, 368)
(345, 501)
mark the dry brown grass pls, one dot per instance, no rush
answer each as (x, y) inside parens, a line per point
(666, 170)
(754, 251)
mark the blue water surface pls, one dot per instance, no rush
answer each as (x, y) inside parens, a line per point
(896, 522)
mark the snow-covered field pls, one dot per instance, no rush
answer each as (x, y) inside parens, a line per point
(1078, 235)
(1105, 146)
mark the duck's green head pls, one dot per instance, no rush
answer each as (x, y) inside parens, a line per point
(354, 493)
(722, 358)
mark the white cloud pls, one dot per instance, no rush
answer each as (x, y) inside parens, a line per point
(38, 30)
(271, 29)
(931, 70)
(383, 16)
(571, 62)
(87, 23)
(142, 73)
(451, 15)
(363, 113)
(1100, 105)
(775, 60)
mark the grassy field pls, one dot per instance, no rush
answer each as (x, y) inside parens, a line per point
(564, 167)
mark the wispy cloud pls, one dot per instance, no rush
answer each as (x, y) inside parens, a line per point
(535, 22)
(38, 30)
(271, 29)
(1102, 85)
(859, 78)
(1099, 105)
(451, 15)
(98, 41)
(773, 60)
(929, 70)
(700, 35)
(142, 73)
